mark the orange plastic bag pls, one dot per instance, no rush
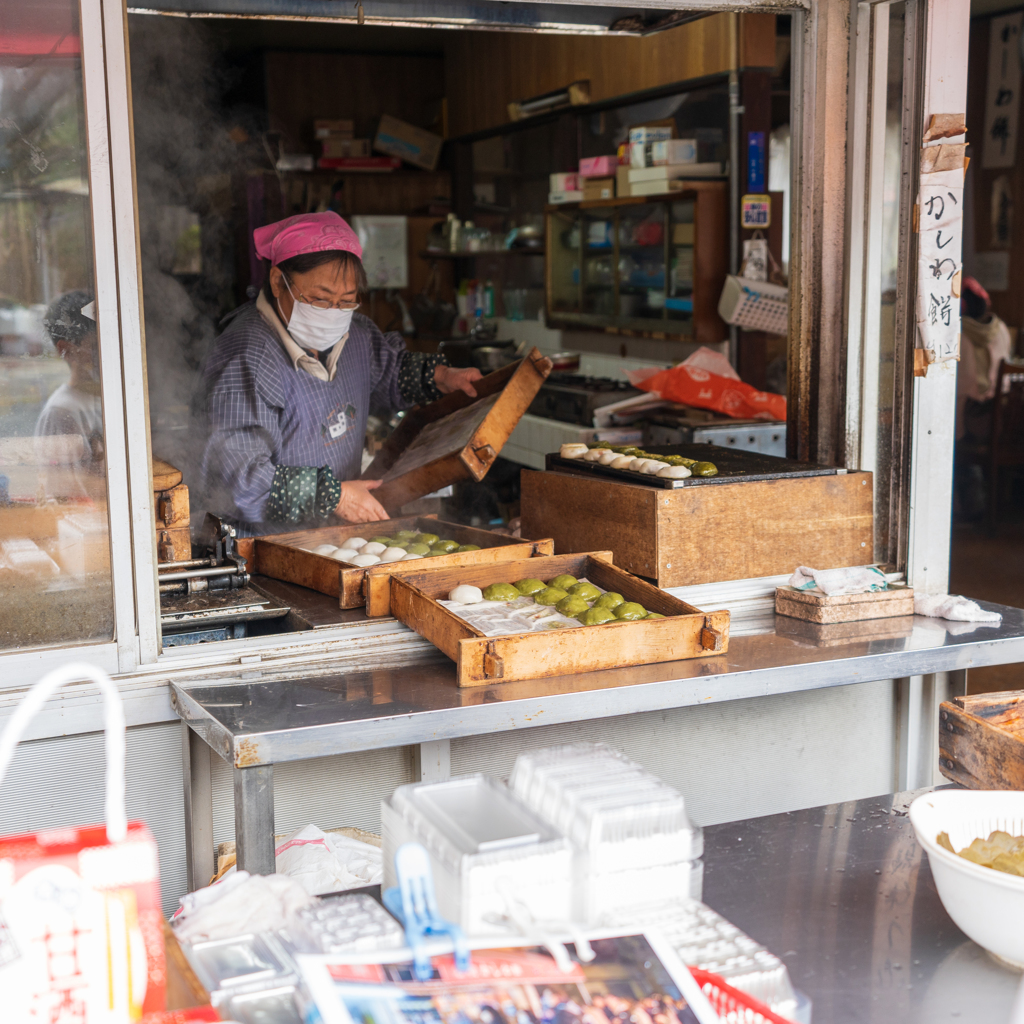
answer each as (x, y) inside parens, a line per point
(688, 384)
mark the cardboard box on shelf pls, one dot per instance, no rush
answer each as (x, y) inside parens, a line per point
(666, 172)
(414, 145)
(598, 166)
(572, 196)
(622, 180)
(598, 188)
(656, 188)
(674, 151)
(564, 182)
(338, 127)
(335, 146)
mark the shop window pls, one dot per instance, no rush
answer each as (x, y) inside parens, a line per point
(55, 579)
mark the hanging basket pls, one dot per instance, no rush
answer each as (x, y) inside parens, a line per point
(755, 305)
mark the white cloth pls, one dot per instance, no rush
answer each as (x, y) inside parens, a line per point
(857, 579)
(239, 904)
(326, 862)
(952, 606)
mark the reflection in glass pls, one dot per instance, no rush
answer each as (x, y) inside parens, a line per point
(54, 546)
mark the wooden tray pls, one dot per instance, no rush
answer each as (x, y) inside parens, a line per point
(737, 530)
(981, 740)
(686, 633)
(814, 606)
(279, 557)
(456, 438)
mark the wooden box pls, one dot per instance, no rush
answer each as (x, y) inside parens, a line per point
(705, 534)
(456, 438)
(279, 556)
(814, 606)
(171, 509)
(981, 740)
(685, 633)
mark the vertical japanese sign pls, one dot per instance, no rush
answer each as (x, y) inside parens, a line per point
(1002, 96)
(940, 223)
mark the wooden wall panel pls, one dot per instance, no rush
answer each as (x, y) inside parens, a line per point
(303, 86)
(485, 71)
(1009, 304)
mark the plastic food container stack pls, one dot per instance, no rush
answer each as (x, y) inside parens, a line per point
(484, 845)
(632, 841)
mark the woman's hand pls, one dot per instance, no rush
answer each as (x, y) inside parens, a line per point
(450, 378)
(357, 504)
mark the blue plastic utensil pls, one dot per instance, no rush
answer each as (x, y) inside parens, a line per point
(414, 904)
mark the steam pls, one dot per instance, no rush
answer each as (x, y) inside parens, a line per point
(184, 161)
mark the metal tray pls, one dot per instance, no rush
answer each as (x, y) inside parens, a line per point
(734, 466)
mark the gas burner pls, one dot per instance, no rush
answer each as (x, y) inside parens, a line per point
(573, 397)
(578, 380)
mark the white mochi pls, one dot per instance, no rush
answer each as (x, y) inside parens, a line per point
(621, 462)
(364, 560)
(573, 451)
(374, 548)
(392, 554)
(345, 554)
(652, 466)
(608, 457)
(594, 454)
(409, 558)
(675, 472)
(465, 594)
(324, 549)
(356, 542)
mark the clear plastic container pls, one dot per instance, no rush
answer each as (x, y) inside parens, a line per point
(632, 840)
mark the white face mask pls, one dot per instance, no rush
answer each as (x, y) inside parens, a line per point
(318, 329)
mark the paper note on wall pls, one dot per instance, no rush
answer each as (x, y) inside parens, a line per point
(1002, 93)
(385, 250)
(940, 225)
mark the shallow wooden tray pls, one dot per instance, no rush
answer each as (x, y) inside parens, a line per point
(981, 740)
(411, 466)
(686, 633)
(279, 557)
(814, 606)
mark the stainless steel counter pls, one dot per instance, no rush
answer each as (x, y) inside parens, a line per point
(254, 724)
(844, 895)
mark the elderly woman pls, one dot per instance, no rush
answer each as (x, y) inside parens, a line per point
(291, 380)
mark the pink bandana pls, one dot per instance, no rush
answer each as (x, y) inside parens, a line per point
(306, 232)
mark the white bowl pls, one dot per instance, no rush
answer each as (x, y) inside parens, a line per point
(987, 905)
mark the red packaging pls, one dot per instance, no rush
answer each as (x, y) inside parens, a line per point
(598, 166)
(81, 936)
(693, 385)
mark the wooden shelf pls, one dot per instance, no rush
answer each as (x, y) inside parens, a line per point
(430, 254)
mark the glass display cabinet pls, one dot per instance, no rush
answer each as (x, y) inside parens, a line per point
(643, 265)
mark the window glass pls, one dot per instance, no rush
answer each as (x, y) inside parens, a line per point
(55, 583)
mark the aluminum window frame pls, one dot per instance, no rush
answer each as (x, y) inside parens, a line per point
(109, 123)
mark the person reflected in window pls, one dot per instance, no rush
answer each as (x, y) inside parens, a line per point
(74, 412)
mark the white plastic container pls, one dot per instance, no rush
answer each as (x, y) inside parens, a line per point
(482, 842)
(754, 305)
(988, 905)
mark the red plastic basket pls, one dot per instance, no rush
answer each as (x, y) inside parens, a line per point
(732, 1005)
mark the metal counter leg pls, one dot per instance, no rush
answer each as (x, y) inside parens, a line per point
(196, 774)
(432, 761)
(254, 819)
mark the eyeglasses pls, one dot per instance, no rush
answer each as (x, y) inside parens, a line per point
(345, 307)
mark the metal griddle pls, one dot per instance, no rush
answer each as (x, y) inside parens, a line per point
(734, 466)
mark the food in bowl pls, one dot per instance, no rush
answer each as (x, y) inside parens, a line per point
(1001, 851)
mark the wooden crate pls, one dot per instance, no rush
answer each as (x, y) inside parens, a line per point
(981, 740)
(456, 438)
(814, 606)
(279, 556)
(731, 531)
(685, 633)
